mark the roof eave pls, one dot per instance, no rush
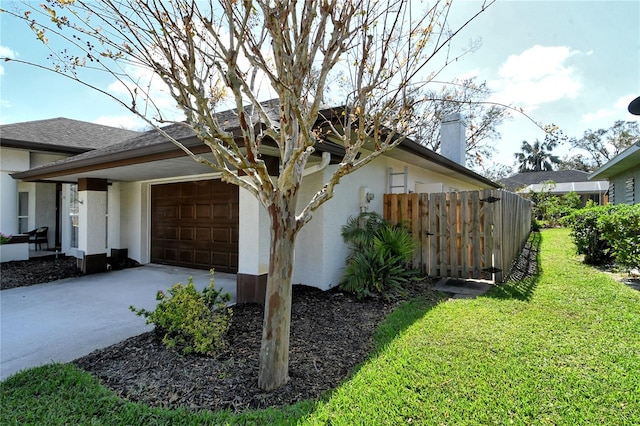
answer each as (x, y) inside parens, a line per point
(38, 146)
(617, 164)
(415, 148)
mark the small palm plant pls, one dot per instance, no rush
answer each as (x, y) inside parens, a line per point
(380, 256)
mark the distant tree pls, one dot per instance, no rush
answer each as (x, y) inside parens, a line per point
(537, 156)
(467, 98)
(575, 162)
(598, 147)
(496, 171)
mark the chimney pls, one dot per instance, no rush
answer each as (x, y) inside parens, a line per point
(452, 138)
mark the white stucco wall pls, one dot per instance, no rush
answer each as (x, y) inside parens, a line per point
(133, 220)
(92, 231)
(320, 250)
(42, 196)
(113, 217)
(253, 236)
(11, 160)
(65, 225)
(39, 158)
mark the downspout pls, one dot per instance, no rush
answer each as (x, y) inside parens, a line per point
(326, 158)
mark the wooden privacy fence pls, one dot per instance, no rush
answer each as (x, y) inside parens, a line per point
(471, 234)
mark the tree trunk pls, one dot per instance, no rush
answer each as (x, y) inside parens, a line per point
(274, 351)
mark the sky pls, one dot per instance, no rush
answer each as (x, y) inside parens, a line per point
(575, 64)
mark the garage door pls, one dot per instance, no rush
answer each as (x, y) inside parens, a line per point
(195, 224)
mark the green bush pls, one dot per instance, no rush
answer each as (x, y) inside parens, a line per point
(587, 236)
(380, 256)
(607, 233)
(621, 229)
(551, 209)
(189, 320)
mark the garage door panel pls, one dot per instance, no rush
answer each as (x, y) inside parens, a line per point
(167, 212)
(188, 189)
(203, 233)
(186, 234)
(186, 256)
(221, 235)
(195, 224)
(202, 258)
(221, 212)
(203, 211)
(187, 212)
(170, 255)
(220, 259)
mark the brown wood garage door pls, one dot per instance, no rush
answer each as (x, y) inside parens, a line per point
(195, 224)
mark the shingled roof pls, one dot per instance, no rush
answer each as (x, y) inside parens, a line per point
(153, 146)
(62, 135)
(523, 179)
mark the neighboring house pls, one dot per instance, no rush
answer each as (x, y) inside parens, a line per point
(145, 195)
(559, 182)
(623, 174)
(24, 146)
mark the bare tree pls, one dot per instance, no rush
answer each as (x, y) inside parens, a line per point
(596, 147)
(482, 118)
(207, 53)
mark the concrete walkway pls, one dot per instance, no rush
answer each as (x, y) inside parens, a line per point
(66, 319)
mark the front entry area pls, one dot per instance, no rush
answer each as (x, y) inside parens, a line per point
(195, 225)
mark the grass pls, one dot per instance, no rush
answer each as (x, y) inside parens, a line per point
(562, 347)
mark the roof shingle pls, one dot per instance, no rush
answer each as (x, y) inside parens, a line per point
(62, 135)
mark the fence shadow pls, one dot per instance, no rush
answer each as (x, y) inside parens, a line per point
(525, 274)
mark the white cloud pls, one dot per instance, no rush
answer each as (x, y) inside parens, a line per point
(536, 76)
(5, 52)
(601, 114)
(617, 111)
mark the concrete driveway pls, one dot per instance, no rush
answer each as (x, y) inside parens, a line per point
(63, 320)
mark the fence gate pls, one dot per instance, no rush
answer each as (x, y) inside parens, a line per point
(471, 234)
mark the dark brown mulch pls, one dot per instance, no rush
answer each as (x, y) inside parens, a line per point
(331, 333)
(22, 273)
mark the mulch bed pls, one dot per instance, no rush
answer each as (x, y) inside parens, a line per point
(331, 333)
(22, 273)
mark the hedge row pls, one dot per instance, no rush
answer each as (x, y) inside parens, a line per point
(606, 234)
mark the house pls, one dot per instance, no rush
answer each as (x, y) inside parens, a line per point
(559, 182)
(623, 174)
(145, 196)
(24, 146)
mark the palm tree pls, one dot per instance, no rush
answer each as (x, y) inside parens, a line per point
(537, 157)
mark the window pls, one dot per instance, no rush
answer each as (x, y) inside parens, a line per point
(629, 191)
(612, 193)
(23, 212)
(73, 214)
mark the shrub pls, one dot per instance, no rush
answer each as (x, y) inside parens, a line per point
(190, 320)
(587, 236)
(551, 209)
(380, 253)
(621, 229)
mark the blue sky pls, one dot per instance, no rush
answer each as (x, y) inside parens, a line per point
(572, 63)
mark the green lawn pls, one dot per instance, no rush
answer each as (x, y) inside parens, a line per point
(560, 348)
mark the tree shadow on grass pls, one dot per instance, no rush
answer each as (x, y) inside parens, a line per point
(525, 274)
(402, 318)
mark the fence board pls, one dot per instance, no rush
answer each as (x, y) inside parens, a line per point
(463, 234)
